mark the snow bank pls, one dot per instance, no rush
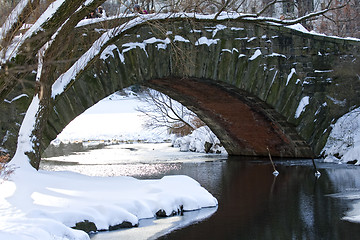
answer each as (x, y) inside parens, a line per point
(45, 205)
(112, 119)
(343, 144)
(196, 141)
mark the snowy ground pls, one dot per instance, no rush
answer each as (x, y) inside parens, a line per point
(52, 202)
(45, 205)
(113, 118)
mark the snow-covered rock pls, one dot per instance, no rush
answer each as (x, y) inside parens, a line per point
(200, 140)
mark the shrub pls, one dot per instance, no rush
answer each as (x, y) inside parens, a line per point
(5, 169)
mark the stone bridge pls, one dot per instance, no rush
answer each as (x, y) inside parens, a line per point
(257, 85)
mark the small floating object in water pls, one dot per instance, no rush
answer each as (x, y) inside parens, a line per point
(275, 173)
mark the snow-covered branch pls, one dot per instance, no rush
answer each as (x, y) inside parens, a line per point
(15, 20)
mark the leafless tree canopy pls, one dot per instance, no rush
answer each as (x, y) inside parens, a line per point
(162, 111)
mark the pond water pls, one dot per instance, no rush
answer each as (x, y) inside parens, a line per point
(253, 203)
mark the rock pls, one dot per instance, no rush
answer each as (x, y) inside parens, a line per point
(161, 213)
(124, 224)
(86, 226)
(208, 146)
(352, 162)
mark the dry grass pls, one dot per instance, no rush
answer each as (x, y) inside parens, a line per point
(5, 169)
(180, 129)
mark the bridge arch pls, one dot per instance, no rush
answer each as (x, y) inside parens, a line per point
(248, 131)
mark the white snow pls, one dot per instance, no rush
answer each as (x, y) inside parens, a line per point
(230, 51)
(45, 205)
(299, 27)
(323, 71)
(218, 27)
(337, 102)
(206, 41)
(290, 75)
(344, 139)
(108, 51)
(196, 140)
(256, 54)
(276, 55)
(302, 105)
(16, 98)
(236, 29)
(113, 118)
(25, 136)
(178, 38)
(251, 39)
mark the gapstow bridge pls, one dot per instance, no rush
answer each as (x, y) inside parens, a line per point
(255, 84)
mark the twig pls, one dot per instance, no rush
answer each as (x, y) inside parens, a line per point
(275, 173)
(317, 173)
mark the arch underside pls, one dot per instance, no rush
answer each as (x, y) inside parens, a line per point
(244, 124)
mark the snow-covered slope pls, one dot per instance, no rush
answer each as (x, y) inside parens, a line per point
(343, 144)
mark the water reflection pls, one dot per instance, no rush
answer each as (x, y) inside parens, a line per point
(348, 188)
(253, 203)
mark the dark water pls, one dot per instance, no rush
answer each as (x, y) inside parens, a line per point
(254, 204)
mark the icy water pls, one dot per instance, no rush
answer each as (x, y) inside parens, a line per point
(253, 204)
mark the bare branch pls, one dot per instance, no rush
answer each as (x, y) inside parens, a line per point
(267, 7)
(294, 21)
(162, 111)
(15, 20)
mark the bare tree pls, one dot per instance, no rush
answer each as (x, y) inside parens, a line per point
(162, 111)
(343, 21)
